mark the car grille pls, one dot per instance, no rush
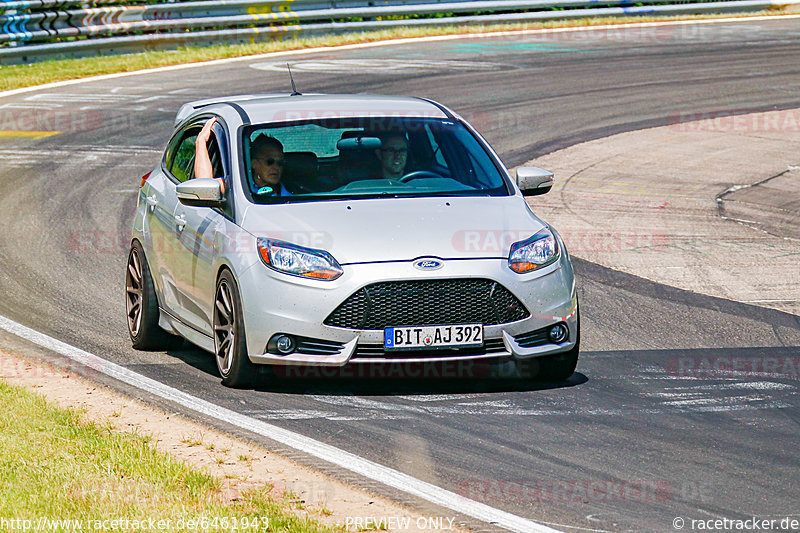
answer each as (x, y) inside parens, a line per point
(428, 303)
(376, 351)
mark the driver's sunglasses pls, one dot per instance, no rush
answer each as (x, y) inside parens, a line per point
(272, 161)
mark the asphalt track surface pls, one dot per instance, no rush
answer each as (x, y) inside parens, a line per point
(640, 414)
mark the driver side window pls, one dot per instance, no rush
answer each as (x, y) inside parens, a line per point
(181, 162)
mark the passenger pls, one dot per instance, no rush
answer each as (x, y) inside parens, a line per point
(266, 161)
(393, 155)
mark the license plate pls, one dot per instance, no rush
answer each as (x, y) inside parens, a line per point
(456, 336)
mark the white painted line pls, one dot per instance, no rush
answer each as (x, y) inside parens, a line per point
(395, 42)
(755, 385)
(326, 452)
(67, 97)
(438, 397)
(377, 65)
(591, 518)
(768, 301)
(31, 105)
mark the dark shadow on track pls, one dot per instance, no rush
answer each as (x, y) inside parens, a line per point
(405, 387)
(194, 356)
(383, 379)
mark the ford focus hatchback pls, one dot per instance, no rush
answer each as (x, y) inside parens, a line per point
(344, 230)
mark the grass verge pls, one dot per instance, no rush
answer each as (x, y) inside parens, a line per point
(16, 76)
(56, 466)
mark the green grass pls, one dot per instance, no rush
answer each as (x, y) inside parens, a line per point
(16, 76)
(55, 465)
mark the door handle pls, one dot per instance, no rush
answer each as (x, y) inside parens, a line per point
(180, 221)
(152, 201)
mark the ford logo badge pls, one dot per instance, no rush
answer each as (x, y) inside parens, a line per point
(428, 264)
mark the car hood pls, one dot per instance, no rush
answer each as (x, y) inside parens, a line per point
(399, 229)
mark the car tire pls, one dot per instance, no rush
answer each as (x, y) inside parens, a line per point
(230, 344)
(141, 305)
(556, 367)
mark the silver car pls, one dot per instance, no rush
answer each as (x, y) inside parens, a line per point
(395, 235)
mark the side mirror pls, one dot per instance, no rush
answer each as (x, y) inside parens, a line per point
(200, 192)
(533, 181)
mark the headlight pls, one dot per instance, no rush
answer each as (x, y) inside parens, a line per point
(536, 252)
(298, 261)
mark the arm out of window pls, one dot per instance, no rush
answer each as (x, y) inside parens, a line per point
(202, 161)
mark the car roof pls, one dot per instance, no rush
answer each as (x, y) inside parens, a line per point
(266, 108)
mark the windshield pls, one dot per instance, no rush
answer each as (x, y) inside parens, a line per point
(351, 158)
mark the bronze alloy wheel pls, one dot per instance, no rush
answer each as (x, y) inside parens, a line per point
(224, 328)
(133, 289)
(141, 305)
(230, 346)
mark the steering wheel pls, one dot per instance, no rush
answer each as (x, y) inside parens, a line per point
(419, 174)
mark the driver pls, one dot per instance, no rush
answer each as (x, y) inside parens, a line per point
(392, 156)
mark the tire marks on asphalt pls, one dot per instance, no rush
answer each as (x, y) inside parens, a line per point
(653, 390)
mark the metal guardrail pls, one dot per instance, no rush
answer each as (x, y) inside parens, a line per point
(13, 5)
(107, 29)
(118, 20)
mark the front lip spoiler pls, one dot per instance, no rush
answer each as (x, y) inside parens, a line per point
(345, 356)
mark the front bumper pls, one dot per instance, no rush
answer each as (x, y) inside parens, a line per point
(276, 303)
